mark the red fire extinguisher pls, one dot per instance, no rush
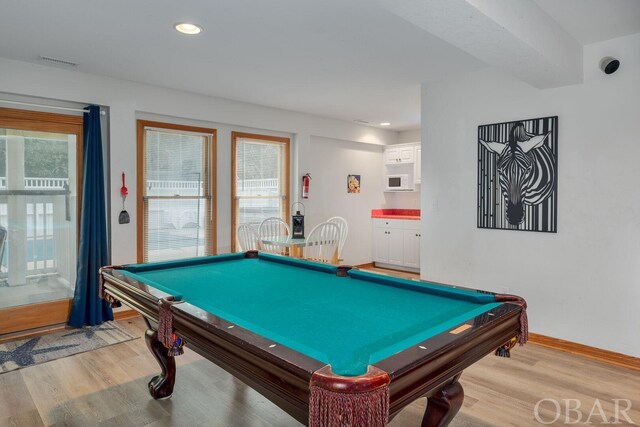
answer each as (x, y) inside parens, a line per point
(306, 180)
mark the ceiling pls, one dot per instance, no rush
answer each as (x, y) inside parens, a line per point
(590, 21)
(346, 59)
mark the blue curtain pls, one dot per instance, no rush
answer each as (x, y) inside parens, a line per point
(88, 308)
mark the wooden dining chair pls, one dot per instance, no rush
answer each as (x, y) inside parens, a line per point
(322, 243)
(344, 231)
(248, 238)
(270, 228)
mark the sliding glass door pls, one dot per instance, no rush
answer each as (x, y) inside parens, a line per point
(39, 188)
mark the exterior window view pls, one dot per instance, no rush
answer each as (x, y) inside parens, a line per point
(259, 181)
(177, 194)
(38, 216)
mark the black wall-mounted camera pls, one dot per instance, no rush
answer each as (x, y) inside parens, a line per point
(609, 65)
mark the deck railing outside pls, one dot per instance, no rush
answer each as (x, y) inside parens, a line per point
(41, 214)
(40, 245)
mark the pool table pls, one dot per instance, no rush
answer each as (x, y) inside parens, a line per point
(330, 345)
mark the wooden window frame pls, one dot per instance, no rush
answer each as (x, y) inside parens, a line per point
(16, 319)
(209, 177)
(287, 176)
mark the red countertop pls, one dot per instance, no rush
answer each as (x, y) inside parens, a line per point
(396, 213)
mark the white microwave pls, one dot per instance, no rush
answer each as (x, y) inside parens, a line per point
(398, 182)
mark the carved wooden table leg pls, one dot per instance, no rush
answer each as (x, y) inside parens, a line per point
(161, 386)
(443, 405)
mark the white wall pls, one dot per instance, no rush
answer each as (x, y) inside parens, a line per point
(329, 161)
(583, 283)
(128, 100)
(411, 135)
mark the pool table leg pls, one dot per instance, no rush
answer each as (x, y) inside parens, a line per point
(443, 405)
(161, 386)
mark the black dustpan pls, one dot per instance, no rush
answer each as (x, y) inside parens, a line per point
(123, 218)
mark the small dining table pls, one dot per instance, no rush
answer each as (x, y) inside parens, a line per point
(295, 246)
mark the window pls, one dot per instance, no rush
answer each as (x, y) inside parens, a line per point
(176, 202)
(260, 187)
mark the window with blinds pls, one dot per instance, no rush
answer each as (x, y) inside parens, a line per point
(176, 190)
(261, 179)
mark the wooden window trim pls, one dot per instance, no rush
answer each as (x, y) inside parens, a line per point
(287, 175)
(210, 176)
(15, 319)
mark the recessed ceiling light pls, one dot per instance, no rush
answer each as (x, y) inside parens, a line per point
(186, 28)
(385, 124)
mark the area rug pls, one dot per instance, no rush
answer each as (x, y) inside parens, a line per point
(31, 351)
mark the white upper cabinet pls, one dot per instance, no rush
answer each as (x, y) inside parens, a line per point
(391, 155)
(399, 155)
(404, 159)
(406, 155)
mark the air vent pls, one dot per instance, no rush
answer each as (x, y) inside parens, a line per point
(364, 122)
(58, 61)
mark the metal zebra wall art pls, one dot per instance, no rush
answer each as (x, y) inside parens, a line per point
(517, 175)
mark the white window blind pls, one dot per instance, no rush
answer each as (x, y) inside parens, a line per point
(177, 197)
(261, 180)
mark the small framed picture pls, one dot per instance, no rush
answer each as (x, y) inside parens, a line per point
(353, 183)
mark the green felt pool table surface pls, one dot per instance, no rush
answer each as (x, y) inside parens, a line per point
(347, 322)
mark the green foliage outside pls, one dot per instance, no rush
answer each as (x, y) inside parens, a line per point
(173, 157)
(46, 158)
(43, 158)
(257, 161)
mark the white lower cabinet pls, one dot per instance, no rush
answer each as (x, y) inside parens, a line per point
(380, 244)
(396, 246)
(411, 241)
(396, 242)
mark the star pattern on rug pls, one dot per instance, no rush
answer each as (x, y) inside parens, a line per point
(23, 354)
(90, 331)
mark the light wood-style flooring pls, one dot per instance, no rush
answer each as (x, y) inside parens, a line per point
(108, 387)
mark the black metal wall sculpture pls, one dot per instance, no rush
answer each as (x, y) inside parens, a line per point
(517, 175)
